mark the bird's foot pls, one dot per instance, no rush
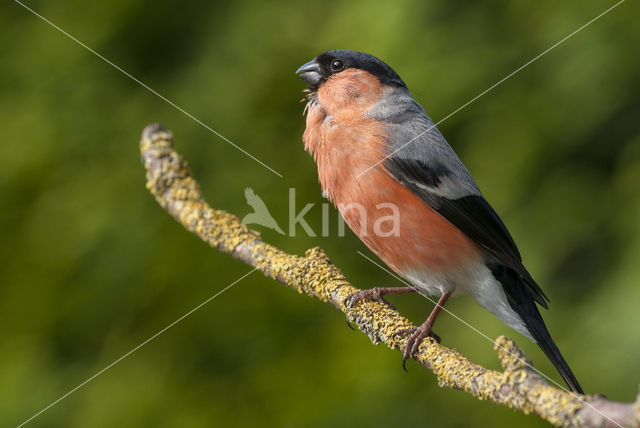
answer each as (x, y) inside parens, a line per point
(375, 294)
(418, 334)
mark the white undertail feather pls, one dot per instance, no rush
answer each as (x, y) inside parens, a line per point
(476, 280)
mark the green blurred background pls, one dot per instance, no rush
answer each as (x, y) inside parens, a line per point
(92, 266)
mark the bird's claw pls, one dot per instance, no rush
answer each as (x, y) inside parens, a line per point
(418, 334)
(370, 294)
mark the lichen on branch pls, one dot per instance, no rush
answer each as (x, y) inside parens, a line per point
(519, 387)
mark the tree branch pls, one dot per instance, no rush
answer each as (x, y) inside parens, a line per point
(518, 386)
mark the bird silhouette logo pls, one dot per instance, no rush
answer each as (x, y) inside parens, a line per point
(260, 214)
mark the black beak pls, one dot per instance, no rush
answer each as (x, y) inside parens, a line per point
(310, 73)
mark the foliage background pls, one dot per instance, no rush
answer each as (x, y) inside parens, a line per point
(91, 266)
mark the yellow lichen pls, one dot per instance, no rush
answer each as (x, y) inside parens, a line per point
(169, 180)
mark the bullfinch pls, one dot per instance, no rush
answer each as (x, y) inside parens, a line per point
(375, 147)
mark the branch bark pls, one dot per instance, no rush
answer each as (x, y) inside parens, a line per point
(518, 386)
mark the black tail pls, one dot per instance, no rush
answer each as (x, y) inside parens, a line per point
(522, 302)
(544, 341)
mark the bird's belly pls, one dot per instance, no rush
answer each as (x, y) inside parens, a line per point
(409, 236)
(400, 228)
(419, 244)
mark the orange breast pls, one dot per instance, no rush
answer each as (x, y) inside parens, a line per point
(411, 237)
(394, 223)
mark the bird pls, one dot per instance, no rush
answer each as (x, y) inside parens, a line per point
(374, 144)
(260, 214)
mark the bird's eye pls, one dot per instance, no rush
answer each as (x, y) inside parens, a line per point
(337, 64)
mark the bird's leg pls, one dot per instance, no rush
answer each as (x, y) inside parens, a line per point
(376, 294)
(419, 333)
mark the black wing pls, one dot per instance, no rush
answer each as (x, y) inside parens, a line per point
(465, 208)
